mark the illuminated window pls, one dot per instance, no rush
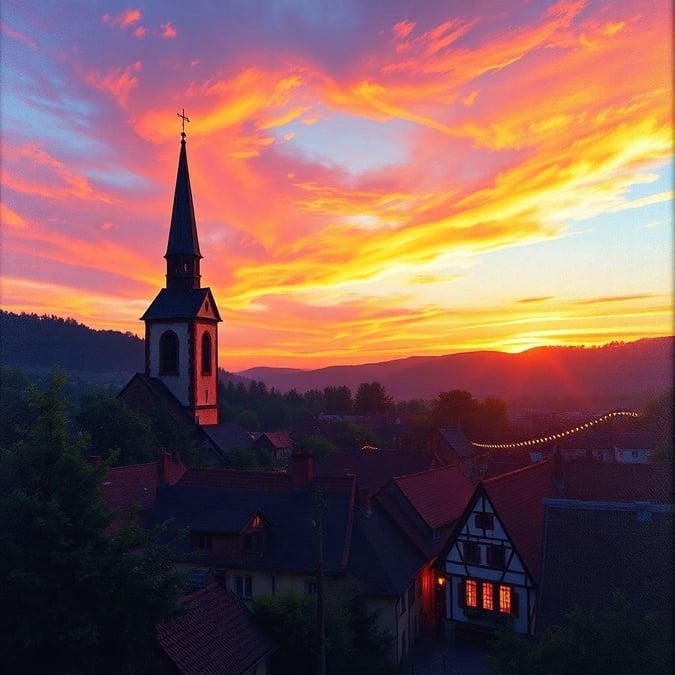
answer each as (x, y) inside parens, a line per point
(256, 522)
(471, 593)
(488, 601)
(505, 599)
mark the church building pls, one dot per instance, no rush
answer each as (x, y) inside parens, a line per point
(181, 327)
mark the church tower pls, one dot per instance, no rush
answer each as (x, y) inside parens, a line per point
(181, 324)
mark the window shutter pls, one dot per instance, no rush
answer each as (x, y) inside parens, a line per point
(515, 603)
(461, 594)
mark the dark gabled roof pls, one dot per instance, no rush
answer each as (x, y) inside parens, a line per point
(179, 304)
(159, 393)
(279, 440)
(615, 482)
(233, 497)
(183, 231)
(217, 636)
(228, 436)
(591, 549)
(382, 558)
(462, 446)
(374, 467)
(518, 499)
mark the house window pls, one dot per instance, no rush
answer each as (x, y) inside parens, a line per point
(471, 593)
(204, 542)
(168, 353)
(488, 599)
(244, 587)
(206, 354)
(495, 556)
(505, 599)
(471, 553)
(310, 587)
(253, 542)
(484, 521)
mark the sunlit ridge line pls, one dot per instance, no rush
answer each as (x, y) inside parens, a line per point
(554, 437)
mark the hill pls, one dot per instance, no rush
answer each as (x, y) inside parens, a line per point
(617, 374)
(630, 373)
(37, 343)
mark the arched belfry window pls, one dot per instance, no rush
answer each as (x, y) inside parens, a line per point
(168, 353)
(206, 354)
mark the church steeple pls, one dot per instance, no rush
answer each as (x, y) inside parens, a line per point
(182, 252)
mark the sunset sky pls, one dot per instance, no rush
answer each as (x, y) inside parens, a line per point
(372, 179)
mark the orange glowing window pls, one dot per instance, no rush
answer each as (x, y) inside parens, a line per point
(505, 599)
(471, 593)
(488, 600)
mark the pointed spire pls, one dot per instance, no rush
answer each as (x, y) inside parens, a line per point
(182, 252)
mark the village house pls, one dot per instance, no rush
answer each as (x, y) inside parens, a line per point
(493, 560)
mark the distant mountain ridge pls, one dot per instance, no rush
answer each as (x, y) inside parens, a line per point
(634, 370)
(637, 370)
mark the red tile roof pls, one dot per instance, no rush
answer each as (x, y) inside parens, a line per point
(279, 439)
(438, 495)
(125, 486)
(218, 636)
(518, 498)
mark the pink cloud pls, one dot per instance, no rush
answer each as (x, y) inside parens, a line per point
(118, 82)
(403, 28)
(168, 31)
(123, 20)
(14, 34)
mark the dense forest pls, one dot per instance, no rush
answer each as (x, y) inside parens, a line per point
(37, 342)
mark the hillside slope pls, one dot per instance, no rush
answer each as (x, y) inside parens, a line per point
(643, 369)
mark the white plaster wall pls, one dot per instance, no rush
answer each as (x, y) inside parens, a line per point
(178, 385)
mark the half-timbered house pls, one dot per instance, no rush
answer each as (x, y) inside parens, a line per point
(491, 562)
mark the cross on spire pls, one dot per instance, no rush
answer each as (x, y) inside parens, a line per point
(184, 119)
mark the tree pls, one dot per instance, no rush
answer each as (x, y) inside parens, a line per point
(74, 598)
(616, 640)
(354, 642)
(113, 427)
(372, 399)
(338, 400)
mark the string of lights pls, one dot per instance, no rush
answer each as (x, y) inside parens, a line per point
(562, 434)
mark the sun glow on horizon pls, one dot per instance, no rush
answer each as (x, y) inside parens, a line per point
(453, 181)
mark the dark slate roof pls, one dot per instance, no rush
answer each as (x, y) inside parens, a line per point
(615, 482)
(217, 636)
(228, 436)
(592, 549)
(459, 443)
(382, 558)
(126, 486)
(183, 232)
(374, 468)
(235, 496)
(518, 499)
(179, 304)
(160, 393)
(279, 440)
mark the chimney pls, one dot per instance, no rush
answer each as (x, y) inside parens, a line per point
(303, 468)
(164, 466)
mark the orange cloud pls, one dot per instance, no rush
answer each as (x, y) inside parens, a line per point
(125, 19)
(119, 83)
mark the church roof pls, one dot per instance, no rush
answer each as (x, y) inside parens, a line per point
(183, 232)
(179, 304)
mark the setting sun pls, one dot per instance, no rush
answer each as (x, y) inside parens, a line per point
(369, 183)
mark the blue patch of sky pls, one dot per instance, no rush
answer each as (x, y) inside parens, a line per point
(355, 144)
